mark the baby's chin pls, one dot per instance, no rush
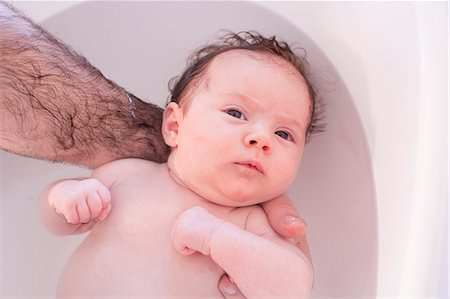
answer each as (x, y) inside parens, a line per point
(235, 204)
(237, 200)
(229, 195)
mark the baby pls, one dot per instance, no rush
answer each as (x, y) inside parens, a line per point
(237, 125)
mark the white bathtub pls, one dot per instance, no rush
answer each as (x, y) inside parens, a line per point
(373, 188)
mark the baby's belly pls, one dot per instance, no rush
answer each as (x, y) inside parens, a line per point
(130, 259)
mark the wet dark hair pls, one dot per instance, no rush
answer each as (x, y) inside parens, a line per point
(198, 61)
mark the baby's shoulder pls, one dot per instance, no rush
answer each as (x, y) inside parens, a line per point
(120, 169)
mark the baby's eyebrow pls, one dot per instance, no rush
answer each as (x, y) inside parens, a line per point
(285, 118)
(247, 100)
(254, 104)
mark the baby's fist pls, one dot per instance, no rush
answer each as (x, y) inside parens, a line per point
(80, 201)
(193, 231)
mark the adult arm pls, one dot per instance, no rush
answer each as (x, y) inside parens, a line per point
(56, 106)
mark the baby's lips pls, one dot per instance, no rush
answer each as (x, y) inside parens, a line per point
(252, 163)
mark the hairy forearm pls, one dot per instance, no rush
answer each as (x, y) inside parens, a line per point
(56, 106)
(260, 267)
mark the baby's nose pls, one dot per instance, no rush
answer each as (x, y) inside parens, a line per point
(259, 140)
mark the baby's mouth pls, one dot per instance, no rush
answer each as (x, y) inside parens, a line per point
(255, 165)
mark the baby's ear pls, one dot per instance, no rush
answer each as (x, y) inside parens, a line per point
(172, 117)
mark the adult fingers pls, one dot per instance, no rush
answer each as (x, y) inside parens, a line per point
(301, 243)
(284, 218)
(228, 289)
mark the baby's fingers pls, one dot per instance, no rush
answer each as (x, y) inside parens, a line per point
(94, 203)
(105, 197)
(71, 216)
(84, 213)
(104, 212)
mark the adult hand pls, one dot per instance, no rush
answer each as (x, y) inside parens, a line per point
(285, 220)
(228, 288)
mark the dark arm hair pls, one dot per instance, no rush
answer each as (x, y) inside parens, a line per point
(55, 105)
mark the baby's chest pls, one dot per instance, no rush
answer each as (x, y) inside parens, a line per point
(140, 253)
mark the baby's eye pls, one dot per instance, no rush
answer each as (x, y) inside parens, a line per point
(285, 135)
(235, 113)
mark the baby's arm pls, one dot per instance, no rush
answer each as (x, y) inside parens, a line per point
(74, 206)
(259, 261)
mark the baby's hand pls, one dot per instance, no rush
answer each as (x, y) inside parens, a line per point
(193, 231)
(80, 201)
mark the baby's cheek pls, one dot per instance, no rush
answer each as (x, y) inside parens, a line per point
(286, 173)
(200, 139)
(208, 143)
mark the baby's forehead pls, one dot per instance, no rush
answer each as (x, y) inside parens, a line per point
(241, 58)
(226, 68)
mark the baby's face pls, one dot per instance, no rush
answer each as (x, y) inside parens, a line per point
(241, 140)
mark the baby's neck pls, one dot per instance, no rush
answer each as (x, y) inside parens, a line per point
(174, 172)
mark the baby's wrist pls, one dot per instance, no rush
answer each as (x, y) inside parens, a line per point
(221, 229)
